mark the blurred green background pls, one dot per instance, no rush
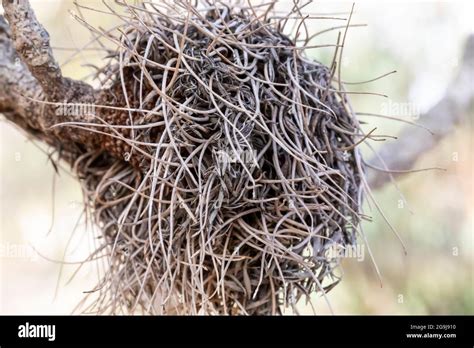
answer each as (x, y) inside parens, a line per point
(421, 40)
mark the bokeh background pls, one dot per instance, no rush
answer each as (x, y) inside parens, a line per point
(43, 238)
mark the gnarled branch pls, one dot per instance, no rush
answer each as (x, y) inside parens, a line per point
(30, 77)
(31, 42)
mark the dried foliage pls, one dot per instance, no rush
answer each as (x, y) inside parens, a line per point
(242, 164)
(219, 162)
(225, 162)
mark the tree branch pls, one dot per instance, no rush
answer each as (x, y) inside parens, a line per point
(32, 88)
(413, 142)
(31, 42)
(16, 80)
(29, 76)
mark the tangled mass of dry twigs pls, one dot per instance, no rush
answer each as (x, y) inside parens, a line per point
(240, 164)
(220, 164)
(228, 162)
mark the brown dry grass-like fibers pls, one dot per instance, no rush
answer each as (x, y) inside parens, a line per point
(240, 167)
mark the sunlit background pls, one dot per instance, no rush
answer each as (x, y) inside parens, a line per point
(43, 239)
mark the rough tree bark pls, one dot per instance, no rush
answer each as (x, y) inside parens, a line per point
(29, 74)
(32, 85)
